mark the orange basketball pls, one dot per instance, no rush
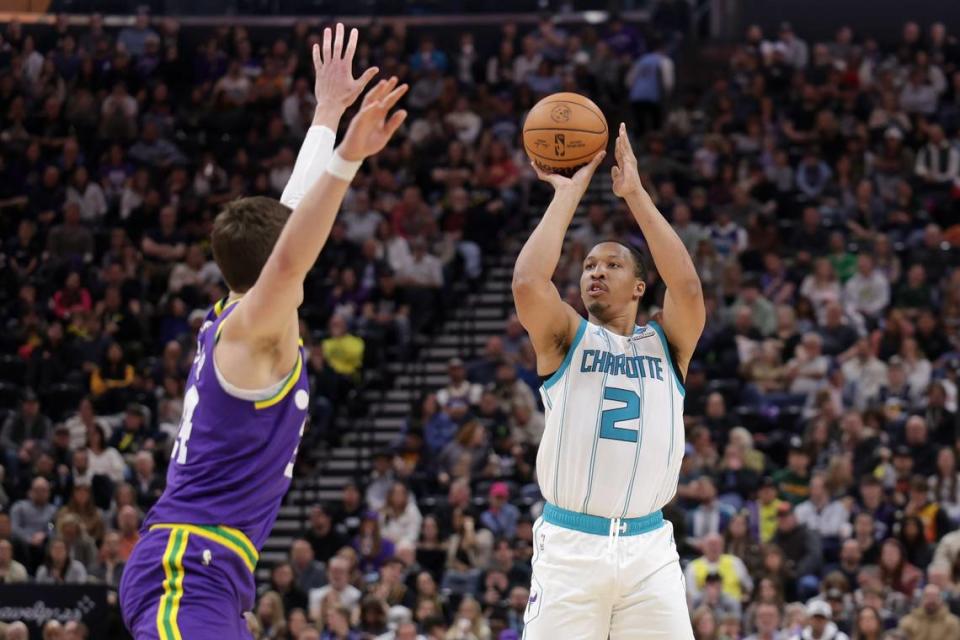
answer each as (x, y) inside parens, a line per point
(563, 132)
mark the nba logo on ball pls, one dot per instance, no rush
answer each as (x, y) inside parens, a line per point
(563, 132)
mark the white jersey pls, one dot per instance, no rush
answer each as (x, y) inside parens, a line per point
(614, 436)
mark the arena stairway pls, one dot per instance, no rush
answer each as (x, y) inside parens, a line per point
(479, 316)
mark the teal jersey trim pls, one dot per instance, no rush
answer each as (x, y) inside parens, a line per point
(666, 349)
(552, 380)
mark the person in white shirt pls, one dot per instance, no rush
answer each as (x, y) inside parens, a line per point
(400, 517)
(298, 108)
(88, 195)
(938, 161)
(808, 369)
(819, 623)
(527, 62)
(338, 571)
(868, 290)
(820, 513)
(459, 386)
(916, 367)
(465, 123)
(866, 373)
(424, 270)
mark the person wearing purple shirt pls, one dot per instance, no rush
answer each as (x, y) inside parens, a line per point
(245, 406)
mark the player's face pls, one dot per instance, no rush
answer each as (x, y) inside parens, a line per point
(609, 283)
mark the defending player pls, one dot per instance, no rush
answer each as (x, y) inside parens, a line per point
(605, 563)
(191, 574)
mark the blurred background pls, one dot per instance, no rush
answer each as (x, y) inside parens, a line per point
(806, 152)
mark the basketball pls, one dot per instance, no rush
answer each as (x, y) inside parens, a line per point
(563, 132)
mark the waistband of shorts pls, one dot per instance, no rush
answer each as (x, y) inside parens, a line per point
(600, 526)
(233, 539)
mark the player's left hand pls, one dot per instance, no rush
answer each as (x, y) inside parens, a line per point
(371, 129)
(626, 178)
(335, 87)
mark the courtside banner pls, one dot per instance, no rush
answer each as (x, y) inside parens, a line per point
(34, 604)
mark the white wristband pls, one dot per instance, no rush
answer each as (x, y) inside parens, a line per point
(343, 169)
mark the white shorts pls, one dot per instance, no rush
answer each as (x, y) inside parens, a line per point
(586, 586)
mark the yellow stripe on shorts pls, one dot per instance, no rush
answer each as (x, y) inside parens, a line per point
(172, 586)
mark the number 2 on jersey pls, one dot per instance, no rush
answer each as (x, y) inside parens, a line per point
(628, 412)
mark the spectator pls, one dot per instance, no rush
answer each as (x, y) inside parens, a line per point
(931, 619)
(801, 547)
(343, 350)
(734, 577)
(400, 518)
(59, 567)
(11, 571)
(31, 518)
(820, 626)
(501, 517)
(128, 524)
(109, 569)
(324, 539)
(345, 594)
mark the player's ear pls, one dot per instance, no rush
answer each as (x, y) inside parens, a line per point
(641, 286)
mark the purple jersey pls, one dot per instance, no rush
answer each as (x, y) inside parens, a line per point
(233, 458)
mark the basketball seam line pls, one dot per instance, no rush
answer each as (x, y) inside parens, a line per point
(579, 104)
(597, 133)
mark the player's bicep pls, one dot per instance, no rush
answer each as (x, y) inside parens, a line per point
(550, 322)
(683, 320)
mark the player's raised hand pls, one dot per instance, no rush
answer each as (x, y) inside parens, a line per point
(580, 180)
(626, 178)
(371, 129)
(335, 87)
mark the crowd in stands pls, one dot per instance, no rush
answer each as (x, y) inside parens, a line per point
(816, 186)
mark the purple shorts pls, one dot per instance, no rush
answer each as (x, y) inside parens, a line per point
(186, 582)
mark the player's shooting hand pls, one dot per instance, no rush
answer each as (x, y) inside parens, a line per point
(371, 129)
(335, 87)
(626, 178)
(579, 181)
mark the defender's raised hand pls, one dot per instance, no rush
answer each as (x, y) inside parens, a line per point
(579, 180)
(626, 178)
(371, 129)
(335, 87)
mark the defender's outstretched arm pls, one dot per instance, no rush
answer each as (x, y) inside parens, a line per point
(267, 312)
(335, 90)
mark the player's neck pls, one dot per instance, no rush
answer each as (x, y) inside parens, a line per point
(621, 325)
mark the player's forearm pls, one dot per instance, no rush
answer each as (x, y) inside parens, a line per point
(307, 230)
(539, 257)
(314, 155)
(669, 254)
(327, 116)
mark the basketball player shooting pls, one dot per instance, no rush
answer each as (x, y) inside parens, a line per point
(605, 563)
(191, 575)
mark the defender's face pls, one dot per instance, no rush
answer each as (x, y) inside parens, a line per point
(608, 283)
